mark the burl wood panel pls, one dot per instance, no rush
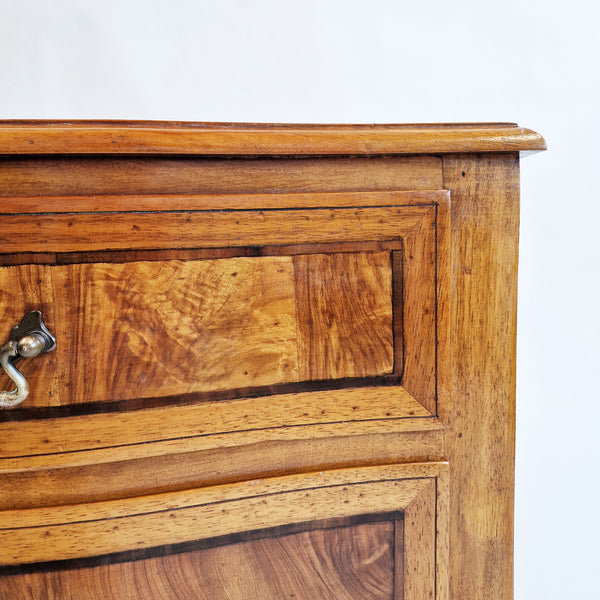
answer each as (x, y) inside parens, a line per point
(348, 298)
(343, 563)
(174, 327)
(150, 329)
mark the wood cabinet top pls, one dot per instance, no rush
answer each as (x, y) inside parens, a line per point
(252, 139)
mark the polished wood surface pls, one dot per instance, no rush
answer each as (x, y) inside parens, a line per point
(243, 321)
(352, 338)
(336, 564)
(276, 318)
(23, 289)
(209, 229)
(233, 318)
(277, 416)
(99, 175)
(485, 229)
(366, 546)
(247, 139)
(146, 522)
(285, 360)
(136, 202)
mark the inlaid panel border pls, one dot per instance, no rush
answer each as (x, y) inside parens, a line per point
(136, 528)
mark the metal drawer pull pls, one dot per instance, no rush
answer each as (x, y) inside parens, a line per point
(27, 339)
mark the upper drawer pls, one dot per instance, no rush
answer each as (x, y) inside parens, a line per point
(155, 307)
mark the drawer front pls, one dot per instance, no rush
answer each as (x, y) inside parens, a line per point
(217, 305)
(370, 532)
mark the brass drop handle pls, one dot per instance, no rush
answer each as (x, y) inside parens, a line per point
(27, 339)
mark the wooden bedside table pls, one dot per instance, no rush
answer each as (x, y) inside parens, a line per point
(284, 362)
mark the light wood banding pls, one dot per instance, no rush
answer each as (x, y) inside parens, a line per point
(241, 201)
(206, 229)
(88, 530)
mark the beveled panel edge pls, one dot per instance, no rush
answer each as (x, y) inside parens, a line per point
(131, 203)
(109, 474)
(88, 137)
(247, 420)
(90, 232)
(198, 545)
(87, 530)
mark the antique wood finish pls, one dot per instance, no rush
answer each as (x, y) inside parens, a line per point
(64, 479)
(237, 319)
(285, 360)
(485, 229)
(334, 563)
(406, 173)
(32, 287)
(87, 530)
(234, 139)
(208, 229)
(168, 175)
(357, 338)
(276, 317)
(382, 513)
(234, 318)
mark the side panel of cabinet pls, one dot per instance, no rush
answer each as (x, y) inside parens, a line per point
(481, 435)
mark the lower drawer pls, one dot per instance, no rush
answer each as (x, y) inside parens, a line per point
(371, 532)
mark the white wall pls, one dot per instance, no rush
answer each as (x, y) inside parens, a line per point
(534, 62)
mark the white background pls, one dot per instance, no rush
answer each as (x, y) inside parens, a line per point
(533, 62)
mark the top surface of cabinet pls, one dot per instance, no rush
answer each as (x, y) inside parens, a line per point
(153, 137)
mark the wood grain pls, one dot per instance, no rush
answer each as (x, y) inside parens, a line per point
(136, 473)
(181, 327)
(243, 139)
(162, 328)
(123, 256)
(420, 318)
(419, 546)
(430, 243)
(338, 563)
(480, 441)
(170, 429)
(82, 176)
(344, 310)
(241, 201)
(205, 229)
(88, 530)
(443, 326)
